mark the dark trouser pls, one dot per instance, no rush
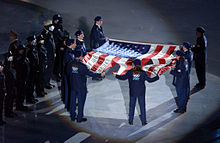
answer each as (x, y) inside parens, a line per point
(20, 84)
(182, 98)
(65, 91)
(31, 84)
(141, 101)
(40, 84)
(1, 103)
(201, 72)
(9, 98)
(58, 63)
(81, 96)
(49, 72)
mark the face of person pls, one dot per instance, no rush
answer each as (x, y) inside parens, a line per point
(184, 48)
(11, 37)
(56, 21)
(81, 36)
(21, 52)
(198, 34)
(1, 68)
(177, 57)
(100, 22)
(73, 46)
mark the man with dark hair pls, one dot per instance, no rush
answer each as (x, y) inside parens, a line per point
(200, 57)
(80, 42)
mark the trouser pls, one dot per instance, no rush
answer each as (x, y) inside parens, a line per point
(182, 98)
(65, 91)
(40, 84)
(141, 101)
(49, 72)
(81, 96)
(20, 93)
(31, 84)
(201, 72)
(1, 103)
(9, 98)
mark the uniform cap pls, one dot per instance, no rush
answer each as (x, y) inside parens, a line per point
(70, 42)
(98, 18)
(200, 29)
(179, 53)
(31, 38)
(57, 17)
(187, 45)
(78, 32)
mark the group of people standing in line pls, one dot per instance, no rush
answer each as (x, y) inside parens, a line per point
(28, 70)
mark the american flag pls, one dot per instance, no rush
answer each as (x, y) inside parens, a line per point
(155, 58)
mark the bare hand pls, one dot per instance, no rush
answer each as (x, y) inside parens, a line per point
(169, 69)
(62, 49)
(103, 74)
(106, 38)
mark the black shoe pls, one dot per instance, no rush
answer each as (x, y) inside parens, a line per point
(48, 87)
(30, 101)
(73, 119)
(36, 100)
(97, 79)
(179, 111)
(130, 123)
(83, 120)
(144, 123)
(2, 122)
(22, 108)
(52, 85)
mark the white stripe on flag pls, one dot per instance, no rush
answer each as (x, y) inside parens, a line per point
(107, 61)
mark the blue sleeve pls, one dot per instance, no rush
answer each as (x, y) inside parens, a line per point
(86, 71)
(98, 37)
(146, 77)
(124, 77)
(176, 71)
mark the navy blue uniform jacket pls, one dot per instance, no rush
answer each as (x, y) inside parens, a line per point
(137, 82)
(97, 37)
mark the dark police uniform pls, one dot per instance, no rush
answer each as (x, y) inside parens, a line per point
(77, 72)
(181, 83)
(188, 55)
(10, 75)
(137, 90)
(97, 37)
(2, 94)
(50, 47)
(200, 57)
(80, 46)
(68, 57)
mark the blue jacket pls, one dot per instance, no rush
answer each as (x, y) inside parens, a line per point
(188, 56)
(137, 82)
(68, 56)
(97, 37)
(80, 46)
(77, 72)
(181, 75)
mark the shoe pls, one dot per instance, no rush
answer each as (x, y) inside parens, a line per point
(144, 123)
(2, 122)
(73, 119)
(22, 108)
(48, 87)
(52, 85)
(83, 120)
(36, 100)
(130, 123)
(179, 111)
(31, 101)
(97, 79)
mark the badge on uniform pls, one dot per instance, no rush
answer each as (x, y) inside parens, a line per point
(136, 76)
(74, 68)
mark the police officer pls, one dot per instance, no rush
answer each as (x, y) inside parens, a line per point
(13, 36)
(68, 56)
(2, 93)
(200, 57)
(42, 53)
(97, 37)
(181, 81)
(79, 42)
(10, 75)
(188, 54)
(50, 47)
(136, 78)
(33, 57)
(21, 67)
(78, 71)
(59, 38)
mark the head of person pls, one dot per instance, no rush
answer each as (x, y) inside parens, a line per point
(98, 20)
(57, 19)
(1, 66)
(200, 31)
(78, 54)
(21, 49)
(48, 25)
(40, 40)
(32, 40)
(179, 55)
(137, 65)
(13, 35)
(71, 43)
(186, 46)
(79, 34)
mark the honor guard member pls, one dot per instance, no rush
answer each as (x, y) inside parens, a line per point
(21, 67)
(181, 81)
(42, 54)
(13, 36)
(68, 57)
(33, 57)
(10, 75)
(97, 37)
(79, 42)
(50, 47)
(59, 37)
(188, 54)
(78, 73)
(200, 57)
(136, 78)
(2, 93)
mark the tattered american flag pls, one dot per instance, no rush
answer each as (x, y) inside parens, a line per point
(155, 58)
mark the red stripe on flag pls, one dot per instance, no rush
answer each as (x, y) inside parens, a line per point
(145, 60)
(129, 66)
(168, 53)
(113, 63)
(165, 68)
(99, 62)
(88, 57)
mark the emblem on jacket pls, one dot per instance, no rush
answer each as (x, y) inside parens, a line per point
(74, 68)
